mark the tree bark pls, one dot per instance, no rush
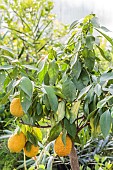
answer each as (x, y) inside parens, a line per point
(74, 159)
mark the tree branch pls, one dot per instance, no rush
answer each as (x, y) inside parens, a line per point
(38, 126)
(74, 159)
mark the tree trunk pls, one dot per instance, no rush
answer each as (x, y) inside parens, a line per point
(74, 159)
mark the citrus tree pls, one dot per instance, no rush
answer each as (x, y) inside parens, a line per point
(60, 95)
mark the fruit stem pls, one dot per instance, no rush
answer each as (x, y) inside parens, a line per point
(74, 159)
(25, 168)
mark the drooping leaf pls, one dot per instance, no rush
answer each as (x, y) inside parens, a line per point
(69, 90)
(5, 98)
(53, 72)
(73, 25)
(106, 76)
(89, 60)
(7, 49)
(98, 90)
(37, 132)
(46, 101)
(61, 110)
(39, 108)
(30, 67)
(26, 85)
(106, 36)
(55, 132)
(6, 67)
(105, 123)
(25, 101)
(95, 22)
(41, 64)
(83, 91)
(102, 102)
(71, 128)
(77, 69)
(74, 111)
(42, 73)
(64, 134)
(2, 77)
(102, 53)
(90, 41)
(32, 138)
(52, 98)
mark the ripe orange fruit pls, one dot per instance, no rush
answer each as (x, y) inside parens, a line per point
(16, 142)
(33, 151)
(60, 148)
(16, 108)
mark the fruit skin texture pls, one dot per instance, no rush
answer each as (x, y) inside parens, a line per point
(60, 148)
(16, 142)
(33, 152)
(16, 108)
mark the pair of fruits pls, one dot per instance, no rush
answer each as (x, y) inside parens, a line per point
(17, 142)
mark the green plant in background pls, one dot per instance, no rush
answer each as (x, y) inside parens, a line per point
(62, 86)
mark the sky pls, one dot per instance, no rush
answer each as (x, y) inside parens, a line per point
(69, 10)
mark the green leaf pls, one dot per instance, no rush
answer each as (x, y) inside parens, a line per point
(89, 60)
(84, 76)
(6, 67)
(52, 54)
(74, 111)
(105, 122)
(68, 113)
(106, 76)
(26, 85)
(39, 108)
(5, 98)
(71, 128)
(53, 72)
(61, 110)
(98, 90)
(32, 138)
(74, 24)
(64, 134)
(102, 102)
(37, 132)
(46, 101)
(78, 83)
(102, 53)
(41, 64)
(90, 41)
(52, 98)
(83, 91)
(55, 132)
(7, 49)
(106, 36)
(95, 22)
(25, 101)
(69, 90)
(28, 146)
(30, 67)
(2, 77)
(42, 73)
(77, 69)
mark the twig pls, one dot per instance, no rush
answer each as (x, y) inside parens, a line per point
(38, 126)
(81, 127)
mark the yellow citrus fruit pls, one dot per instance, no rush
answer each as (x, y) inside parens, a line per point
(33, 151)
(60, 148)
(16, 108)
(16, 142)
